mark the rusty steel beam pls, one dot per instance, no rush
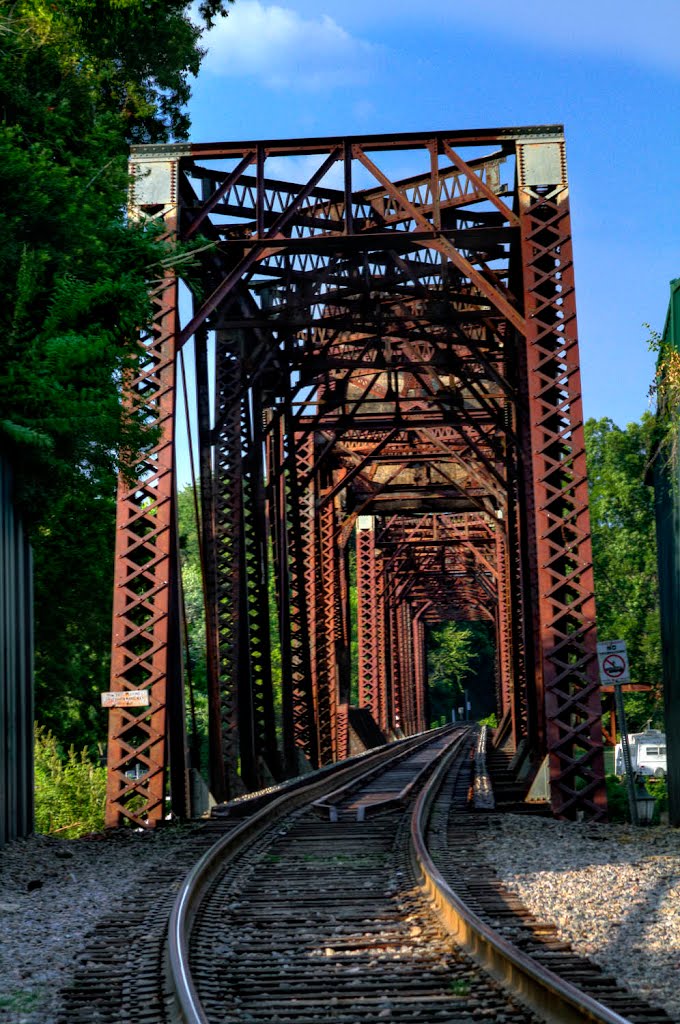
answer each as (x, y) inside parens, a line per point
(325, 665)
(145, 587)
(229, 723)
(264, 765)
(564, 636)
(372, 690)
(303, 602)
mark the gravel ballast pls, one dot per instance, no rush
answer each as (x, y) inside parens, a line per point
(52, 894)
(613, 891)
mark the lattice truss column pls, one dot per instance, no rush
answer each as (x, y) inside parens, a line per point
(565, 637)
(525, 700)
(395, 711)
(371, 623)
(421, 710)
(407, 666)
(230, 725)
(243, 689)
(146, 570)
(325, 667)
(303, 596)
(262, 765)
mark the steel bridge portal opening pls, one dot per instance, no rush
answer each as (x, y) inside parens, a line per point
(394, 366)
(462, 673)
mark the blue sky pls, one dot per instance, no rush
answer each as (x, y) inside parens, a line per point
(610, 72)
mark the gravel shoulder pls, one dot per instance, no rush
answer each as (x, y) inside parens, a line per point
(613, 891)
(54, 891)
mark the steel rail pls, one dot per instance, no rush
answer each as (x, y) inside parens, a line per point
(187, 1008)
(330, 801)
(557, 1001)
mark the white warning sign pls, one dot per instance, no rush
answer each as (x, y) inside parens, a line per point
(125, 699)
(612, 658)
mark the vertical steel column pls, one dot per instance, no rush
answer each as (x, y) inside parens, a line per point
(420, 670)
(216, 768)
(326, 665)
(263, 765)
(396, 722)
(561, 528)
(371, 690)
(405, 626)
(145, 570)
(343, 648)
(522, 594)
(504, 630)
(303, 612)
(384, 701)
(233, 723)
(276, 482)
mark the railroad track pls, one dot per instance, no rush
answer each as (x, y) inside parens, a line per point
(333, 901)
(496, 928)
(327, 915)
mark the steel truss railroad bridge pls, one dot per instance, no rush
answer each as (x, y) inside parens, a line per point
(395, 367)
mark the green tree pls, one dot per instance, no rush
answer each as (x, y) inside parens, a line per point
(624, 553)
(79, 81)
(458, 654)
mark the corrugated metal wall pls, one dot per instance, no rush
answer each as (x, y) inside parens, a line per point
(16, 669)
(667, 501)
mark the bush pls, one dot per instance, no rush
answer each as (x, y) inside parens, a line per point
(491, 721)
(70, 791)
(658, 788)
(617, 797)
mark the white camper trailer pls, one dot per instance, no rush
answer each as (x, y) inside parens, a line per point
(647, 754)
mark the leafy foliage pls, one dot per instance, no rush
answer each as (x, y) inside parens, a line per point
(73, 597)
(69, 790)
(195, 654)
(79, 81)
(624, 553)
(491, 721)
(617, 798)
(458, 653)
(665, 392)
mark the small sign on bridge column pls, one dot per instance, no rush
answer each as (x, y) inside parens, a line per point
(125, 699)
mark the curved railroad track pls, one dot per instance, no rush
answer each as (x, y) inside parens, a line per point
(321, 907)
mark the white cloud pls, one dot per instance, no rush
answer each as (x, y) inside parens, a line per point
(283, 49)
(642, 33)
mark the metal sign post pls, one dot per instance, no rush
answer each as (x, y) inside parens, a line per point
(625, 748)
(612, 657)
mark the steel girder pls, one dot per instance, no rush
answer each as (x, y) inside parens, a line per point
(565, 637)
(146, 626)
(373, 691)
(407, 349)
(224, 573)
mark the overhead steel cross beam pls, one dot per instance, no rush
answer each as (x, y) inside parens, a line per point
(407, 341)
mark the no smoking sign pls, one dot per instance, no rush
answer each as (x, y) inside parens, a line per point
(612, 658)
